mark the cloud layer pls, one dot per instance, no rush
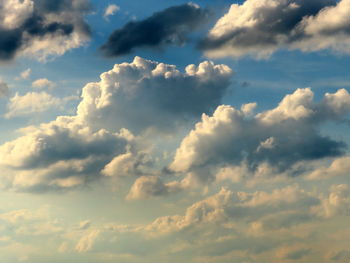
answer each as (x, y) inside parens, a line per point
(42, 28)
(280, 137)
(72, 150)
(259, 28)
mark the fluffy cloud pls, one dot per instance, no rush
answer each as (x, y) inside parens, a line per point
(259, 28)
(280, 137)
(152, 186)
(72, 150)
(338, 167)
(41, 28)
(171, 25)
(226, 206)
(337, 202)
(42, 83)
(32, 102)
(211, 210)
(60, 154)
(167, 96)
(111, 10)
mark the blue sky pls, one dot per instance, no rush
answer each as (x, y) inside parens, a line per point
(169, 131)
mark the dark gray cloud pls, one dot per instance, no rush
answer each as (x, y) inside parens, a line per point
(169, 26)
(24, 23)
(252, 28)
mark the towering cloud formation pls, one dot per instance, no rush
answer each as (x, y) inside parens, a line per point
(72, 150)
(280, 137)
(41, 28)
(168, 26)
(260, 27)
(167, 96)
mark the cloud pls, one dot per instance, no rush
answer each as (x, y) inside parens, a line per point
(227, 206)
(42, 83)
(210, 210)
(280, 137)
(32, 102)
(87, 241)
(128, 164)
(168, 96)
(4, 89)
(74, 150)
(41, 28)
(337, 202)
(62, 154)
(338, 167)
(111, 10)
(146, 187)
(170, 26)
(259, 28)
(25, 74)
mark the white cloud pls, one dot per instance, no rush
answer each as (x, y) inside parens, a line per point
(60, 155)
(127, 164)
(168, 97)
(16, 12)
(42, 83)
(210, 210)
(111, 10)
(258, 28)
(338, 167)
(40, 29)
(336, 203)
(32, 102)
(152, 186)
(74, 150)
(25, 74)
(230, 138)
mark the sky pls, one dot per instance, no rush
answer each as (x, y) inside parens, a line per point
(174, 131)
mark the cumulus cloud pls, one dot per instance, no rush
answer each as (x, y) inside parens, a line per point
(336, 203)
(170, 26)
(62, 154)
(168, 96)
(227, 205)
(281, 137)
(32, 102)
(338, 167)
(211, 210)
(42, 83)
(152, 186)
(127, 164)
(42, 28)
(111, 10)
(259, 28)
(73, 150)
